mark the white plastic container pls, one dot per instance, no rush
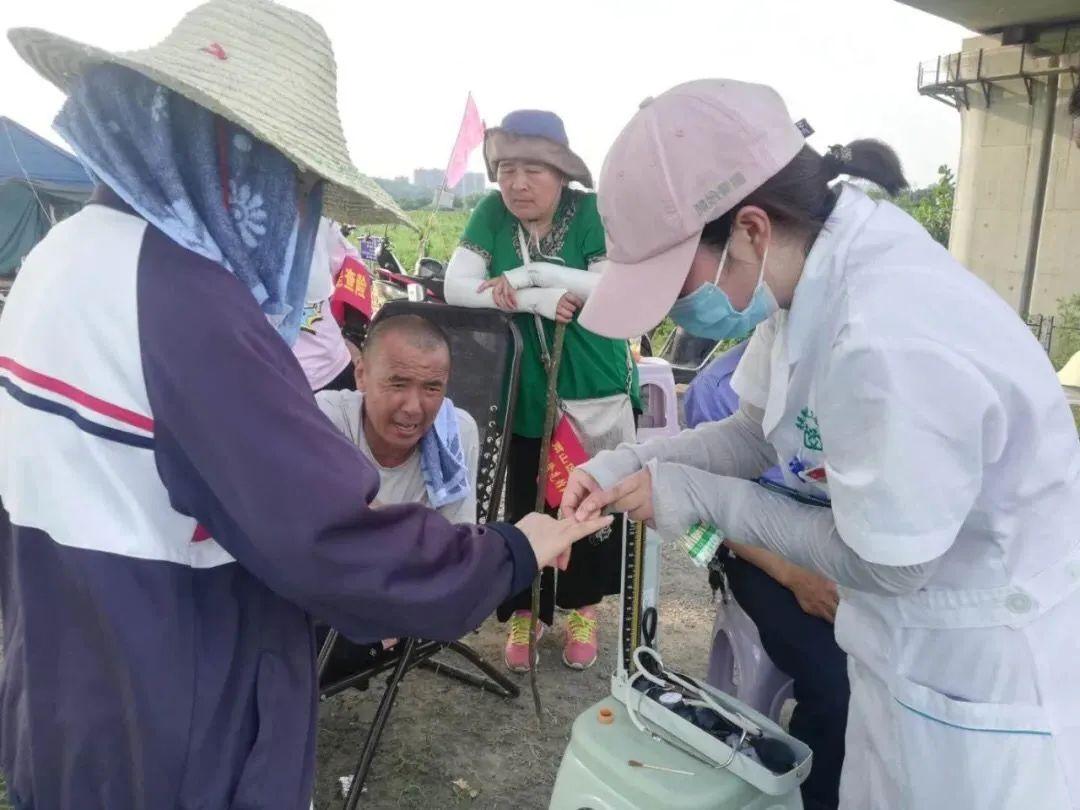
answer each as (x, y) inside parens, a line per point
(713, 749)
(595, 772)
(661, 416)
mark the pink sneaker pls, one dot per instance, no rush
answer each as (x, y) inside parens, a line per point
(516, 652)
(581, 639)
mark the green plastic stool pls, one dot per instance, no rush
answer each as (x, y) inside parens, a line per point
(595, 774)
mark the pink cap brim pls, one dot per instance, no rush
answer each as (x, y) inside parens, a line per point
(630, 299)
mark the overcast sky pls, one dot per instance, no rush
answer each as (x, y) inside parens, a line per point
(405, 66)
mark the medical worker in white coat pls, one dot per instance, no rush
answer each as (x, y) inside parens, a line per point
(886, 376)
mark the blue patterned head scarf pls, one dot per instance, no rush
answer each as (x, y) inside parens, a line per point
(207, 184)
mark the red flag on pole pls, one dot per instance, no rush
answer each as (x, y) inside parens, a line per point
(470, 136)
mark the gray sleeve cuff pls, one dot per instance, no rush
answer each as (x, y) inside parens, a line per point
(612, 466)
(677, 504)
(748, 513)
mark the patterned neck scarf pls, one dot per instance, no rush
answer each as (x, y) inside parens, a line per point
(207, 184)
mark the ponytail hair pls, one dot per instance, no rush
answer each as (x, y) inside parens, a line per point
(869, 160)
(799, 196)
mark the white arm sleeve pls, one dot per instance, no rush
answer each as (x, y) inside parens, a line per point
(751, 514)
(580, 283)
(734, 446)
(467, 270)
(519, 278)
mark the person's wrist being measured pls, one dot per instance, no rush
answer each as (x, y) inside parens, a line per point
(551, 539)
(583, 499)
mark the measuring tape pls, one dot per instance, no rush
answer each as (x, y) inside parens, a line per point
(631, 624)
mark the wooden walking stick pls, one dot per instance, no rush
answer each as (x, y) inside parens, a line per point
(552, 362)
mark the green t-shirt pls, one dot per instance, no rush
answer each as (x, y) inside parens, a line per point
(592, 366)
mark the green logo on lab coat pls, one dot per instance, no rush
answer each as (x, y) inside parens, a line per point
(806, 421)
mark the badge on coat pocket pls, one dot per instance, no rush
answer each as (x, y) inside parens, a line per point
(808, 475)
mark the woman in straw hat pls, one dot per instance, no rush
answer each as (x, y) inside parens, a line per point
(888, 379)
(173, 505)
(528, 248)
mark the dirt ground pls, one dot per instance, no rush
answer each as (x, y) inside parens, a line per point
(442, 731)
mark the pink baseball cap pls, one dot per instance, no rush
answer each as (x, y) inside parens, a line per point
(687, 157)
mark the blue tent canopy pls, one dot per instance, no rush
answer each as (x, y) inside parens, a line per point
(24, 155)
(39, 183)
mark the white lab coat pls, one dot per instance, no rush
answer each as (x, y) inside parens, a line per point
(907, 391)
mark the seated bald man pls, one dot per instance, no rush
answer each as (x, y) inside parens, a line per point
(425, 449)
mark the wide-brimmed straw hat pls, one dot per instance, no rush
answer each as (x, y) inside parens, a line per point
(537, 136)
(263, 67)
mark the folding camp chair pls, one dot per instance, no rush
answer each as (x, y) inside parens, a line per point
(481, 340)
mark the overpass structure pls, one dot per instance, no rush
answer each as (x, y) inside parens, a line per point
(1016, 218)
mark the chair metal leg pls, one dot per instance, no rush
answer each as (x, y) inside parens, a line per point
(382, 714)
(467, 678)
(325, 651)
(413, 653)
(493, 681)
(360, 679)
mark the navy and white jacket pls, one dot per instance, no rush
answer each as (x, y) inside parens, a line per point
(150, 662)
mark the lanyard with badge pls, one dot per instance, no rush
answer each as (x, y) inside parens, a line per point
(582, 427)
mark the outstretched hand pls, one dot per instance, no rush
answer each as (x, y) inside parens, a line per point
(551, 539)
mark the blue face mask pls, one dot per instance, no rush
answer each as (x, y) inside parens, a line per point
(707, 312)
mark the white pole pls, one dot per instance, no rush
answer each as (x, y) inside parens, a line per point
(425, 234)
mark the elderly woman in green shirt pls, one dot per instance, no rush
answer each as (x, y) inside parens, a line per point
(533, 248)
